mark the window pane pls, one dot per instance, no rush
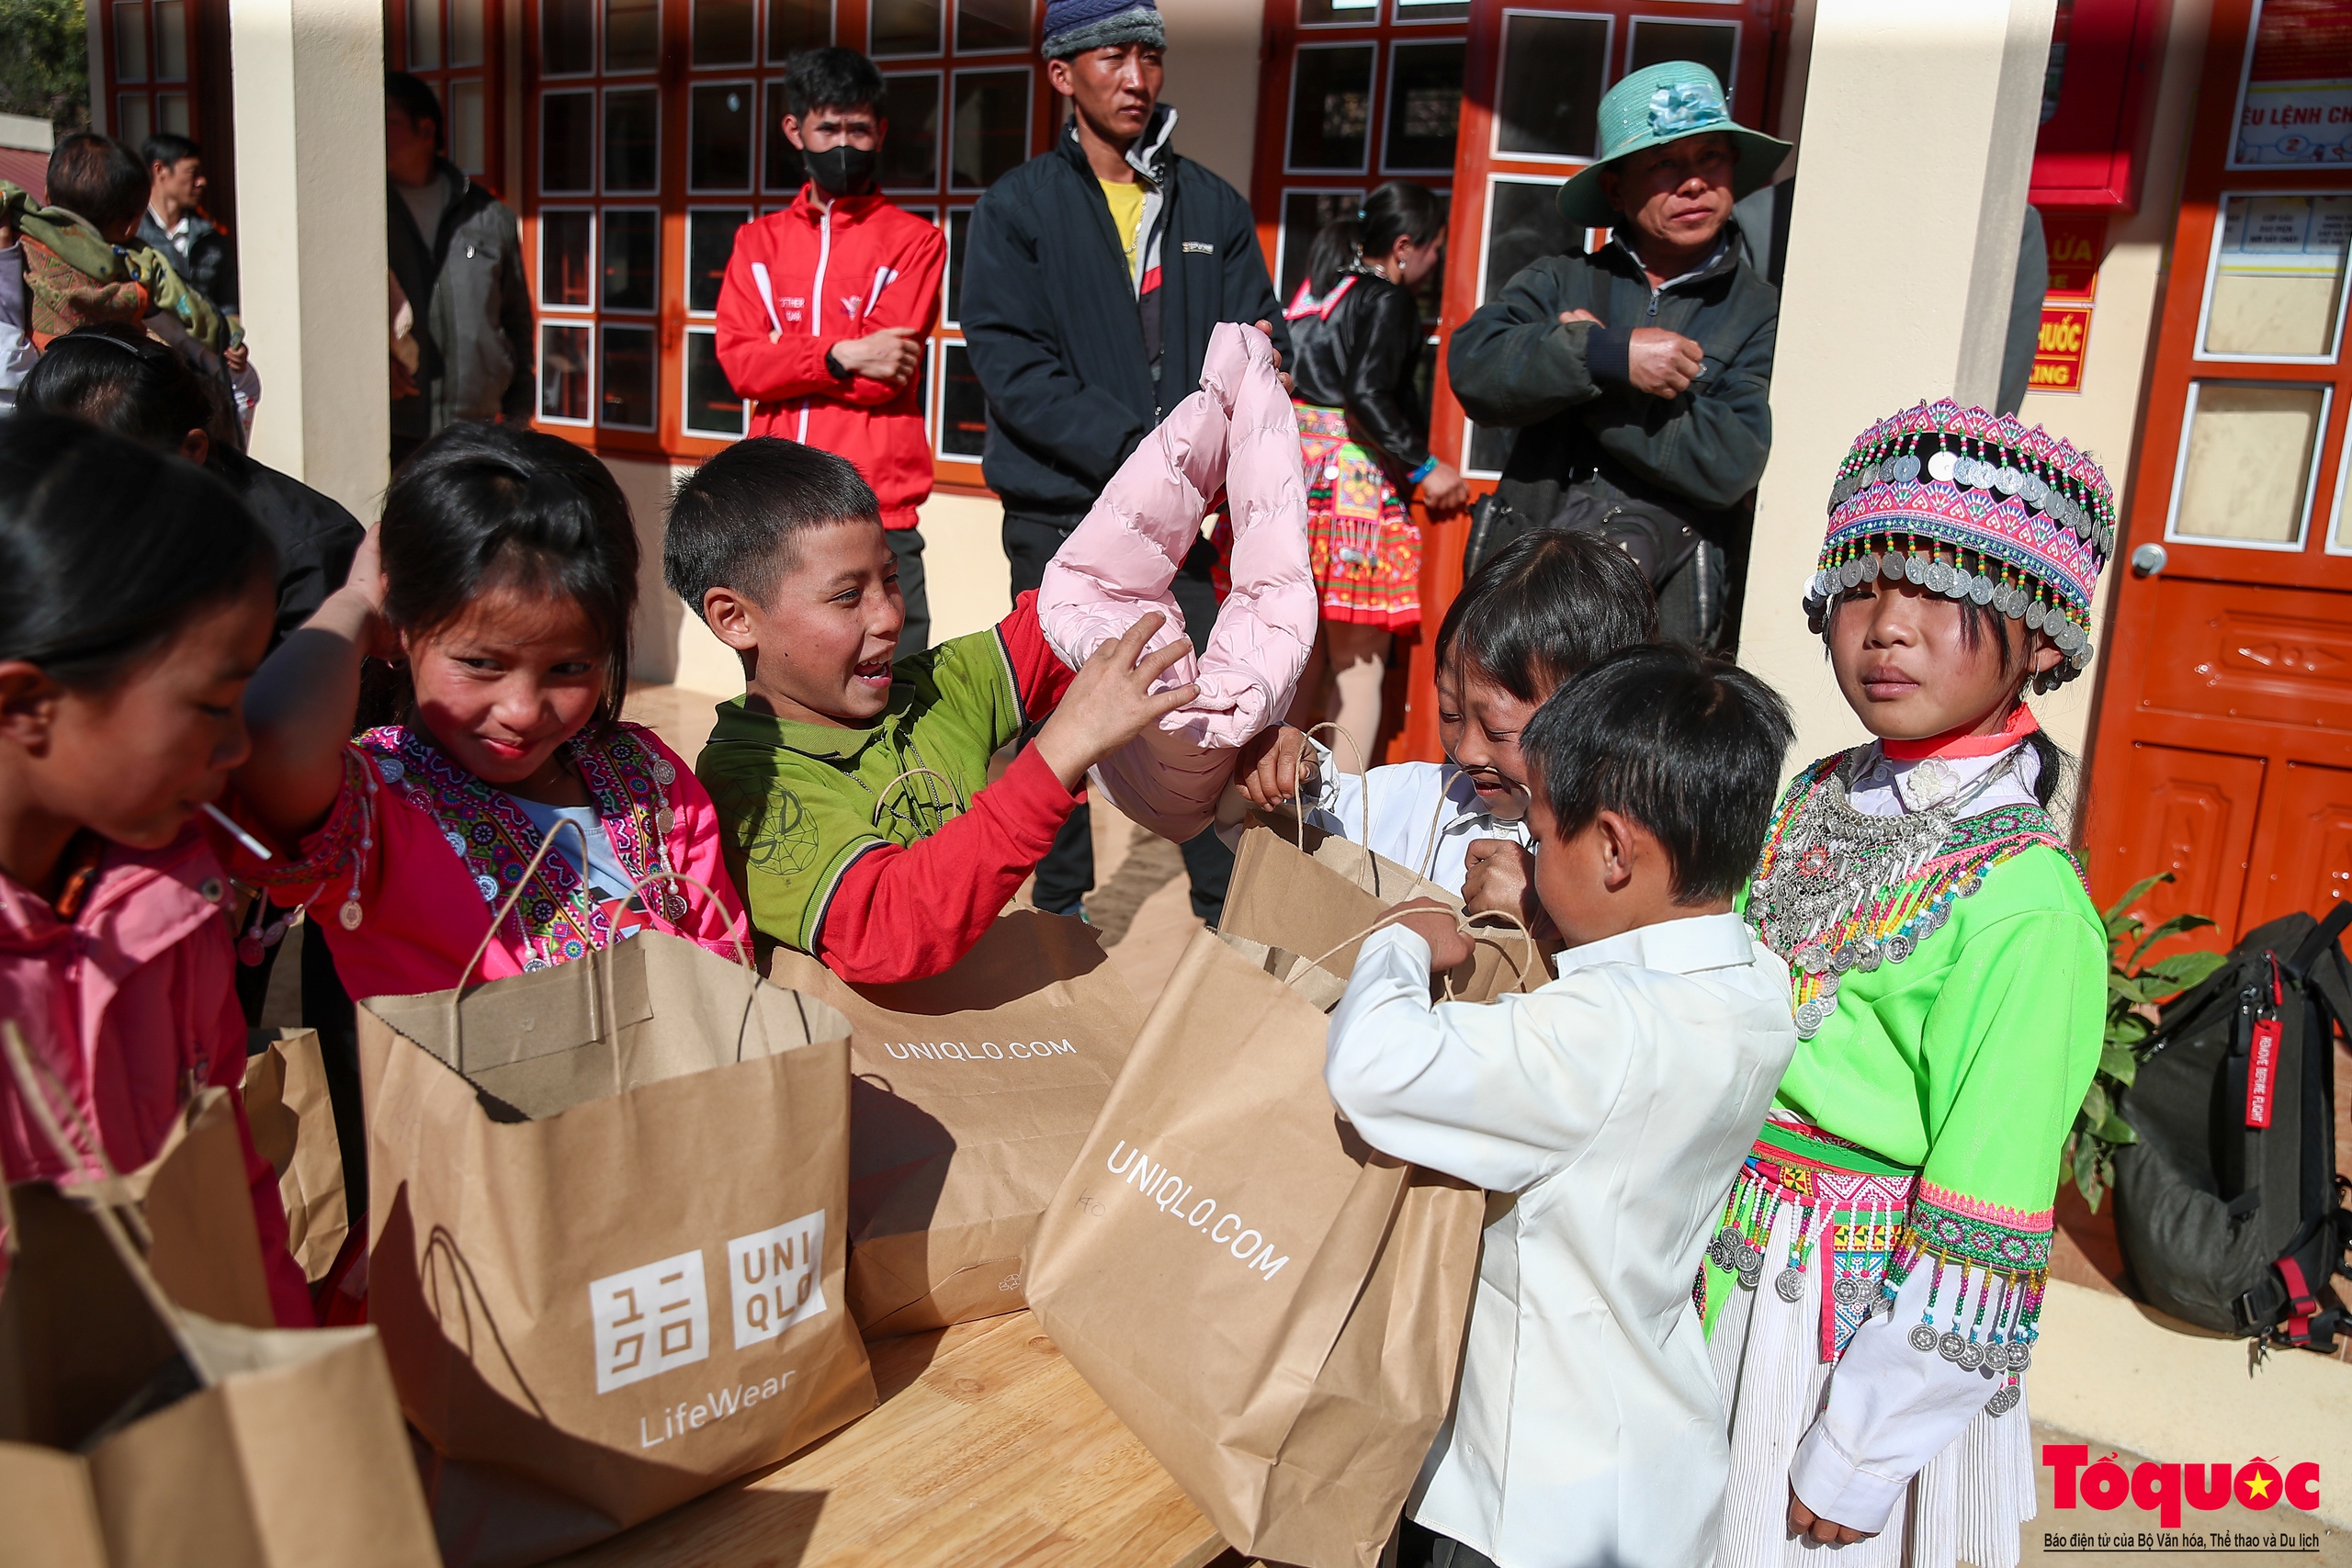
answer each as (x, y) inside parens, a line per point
(564, 236)
(959, 228)
(1432, 10)
(711, 240)
(963, 407)
(171, 113)
(632, 38)
(1362, 13)
(130, 42)
(2279, 280)
(1552, 71)
(904, 27)
(2248, 473)
(629, 378)
(568, 141)
(465, 32)
(784, 170)
(1424, 106)
(632, 139)
(992, 127)
(910, 152)
(171, 41)
(718, 154)
(723, 32)
(135, 120)
(632, 253)
(423, 35)
(1331, 105)
(467, 141)
(713, 406)
(1304, 214)
(566, 37)
(991, 24)
(1712, 44)
(1523, 223)
(563, 373)
(797, 25)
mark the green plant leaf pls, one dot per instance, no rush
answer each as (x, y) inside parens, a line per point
(2117, 1060)
(2085, 1165)
(2115, 918)
(2182, 971)
(2128, 986)
(2094, 1106)
(2115, 1130)
(2173, 927)
(2128, 1030)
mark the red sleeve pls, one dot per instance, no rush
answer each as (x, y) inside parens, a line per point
(1038, 673)
(793, 364)
(908, 913)
(289, 1294)
(910, 300)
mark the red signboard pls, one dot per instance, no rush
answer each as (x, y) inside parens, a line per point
(2058, 352)
(2076, 244)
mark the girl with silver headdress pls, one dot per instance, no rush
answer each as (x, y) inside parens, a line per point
(1872, 1297)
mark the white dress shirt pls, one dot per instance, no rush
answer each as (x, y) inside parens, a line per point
(1423, 816)
(1606, 1113)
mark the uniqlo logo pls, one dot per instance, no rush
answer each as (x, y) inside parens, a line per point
(775, 1277)
(648, 1320)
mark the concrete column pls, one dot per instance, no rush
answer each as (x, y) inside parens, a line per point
(310, 96)
(1916, 150)
(1213, 81)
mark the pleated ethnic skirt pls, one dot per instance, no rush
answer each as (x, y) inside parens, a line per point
(1968, 1506)
(1362, 542)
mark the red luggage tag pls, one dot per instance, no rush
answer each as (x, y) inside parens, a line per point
(2262, 1056)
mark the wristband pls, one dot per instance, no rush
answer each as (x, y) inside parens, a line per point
(833, 367)
(1429, 466)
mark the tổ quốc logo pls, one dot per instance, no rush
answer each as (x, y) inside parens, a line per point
(2164, 1490)
(656, 1318)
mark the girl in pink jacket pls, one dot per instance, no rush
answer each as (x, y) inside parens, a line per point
(502, 583)
(1239, 433)
(136, 597)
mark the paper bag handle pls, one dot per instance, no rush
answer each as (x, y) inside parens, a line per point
(498, 919)
(22, 1067)
(883, 798)
(743, 956)
(1364, 795)
(1463, 923)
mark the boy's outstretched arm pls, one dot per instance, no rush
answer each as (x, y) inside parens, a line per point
(907, 912)
(300, 705)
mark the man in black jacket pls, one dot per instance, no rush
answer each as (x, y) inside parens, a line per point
(1093, 277)
(175, 226)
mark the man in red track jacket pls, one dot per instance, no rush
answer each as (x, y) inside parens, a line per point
(827, 308)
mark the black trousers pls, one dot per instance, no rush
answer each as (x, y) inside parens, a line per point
(1067, 874)
(1420, 1548)
(906, 547)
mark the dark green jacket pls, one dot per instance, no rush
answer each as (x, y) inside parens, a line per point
(1563, 388)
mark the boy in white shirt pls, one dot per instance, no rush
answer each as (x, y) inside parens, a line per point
(1607, 1114)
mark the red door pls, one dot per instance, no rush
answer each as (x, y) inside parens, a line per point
(2223, 747)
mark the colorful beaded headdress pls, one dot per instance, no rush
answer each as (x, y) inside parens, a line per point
(1972, 505)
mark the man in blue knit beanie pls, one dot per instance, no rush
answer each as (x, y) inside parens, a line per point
(1091, 280)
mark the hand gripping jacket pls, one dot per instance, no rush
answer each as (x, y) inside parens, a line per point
(1238, 430)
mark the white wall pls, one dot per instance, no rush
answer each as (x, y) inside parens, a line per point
(1917, 143)
(1212, 82)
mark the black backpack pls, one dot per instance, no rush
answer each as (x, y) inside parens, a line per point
(2228, 1207)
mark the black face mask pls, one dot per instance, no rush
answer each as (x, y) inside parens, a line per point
(840, 171)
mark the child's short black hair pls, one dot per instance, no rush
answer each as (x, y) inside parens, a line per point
(1544, 606)
(831, 78)
(119, 379)
(98, 180)
(731, 521)
(1687, 745)
(168, 149)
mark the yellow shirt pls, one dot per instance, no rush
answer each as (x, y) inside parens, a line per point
(1126, 215)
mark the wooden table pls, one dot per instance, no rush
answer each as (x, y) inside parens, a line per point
(988, 1449)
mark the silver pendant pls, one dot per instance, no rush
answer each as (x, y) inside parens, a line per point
(1812, 1015)
(1789, 1284)
(2021, 1356)
(1904, 469)
(1915, 568)
(1752, 1271)
(1848, 1291)
(1719, 1250)
(1951, 1345)
(349, 917)
(1940, 466)
(1972, 1356)
(665, 819)
(1923, 1338)
(2004, 1400)
(1889, 566)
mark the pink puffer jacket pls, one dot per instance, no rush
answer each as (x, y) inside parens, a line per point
(1240, 430)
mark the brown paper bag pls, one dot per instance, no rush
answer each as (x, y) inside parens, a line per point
(973, 1091)
(188, 1208)
(1276, 1310)
(293, 1123)
(608, 1210)
(1297, 887)
(136, 1435)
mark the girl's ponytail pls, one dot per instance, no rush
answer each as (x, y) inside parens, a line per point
(1334, 252)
